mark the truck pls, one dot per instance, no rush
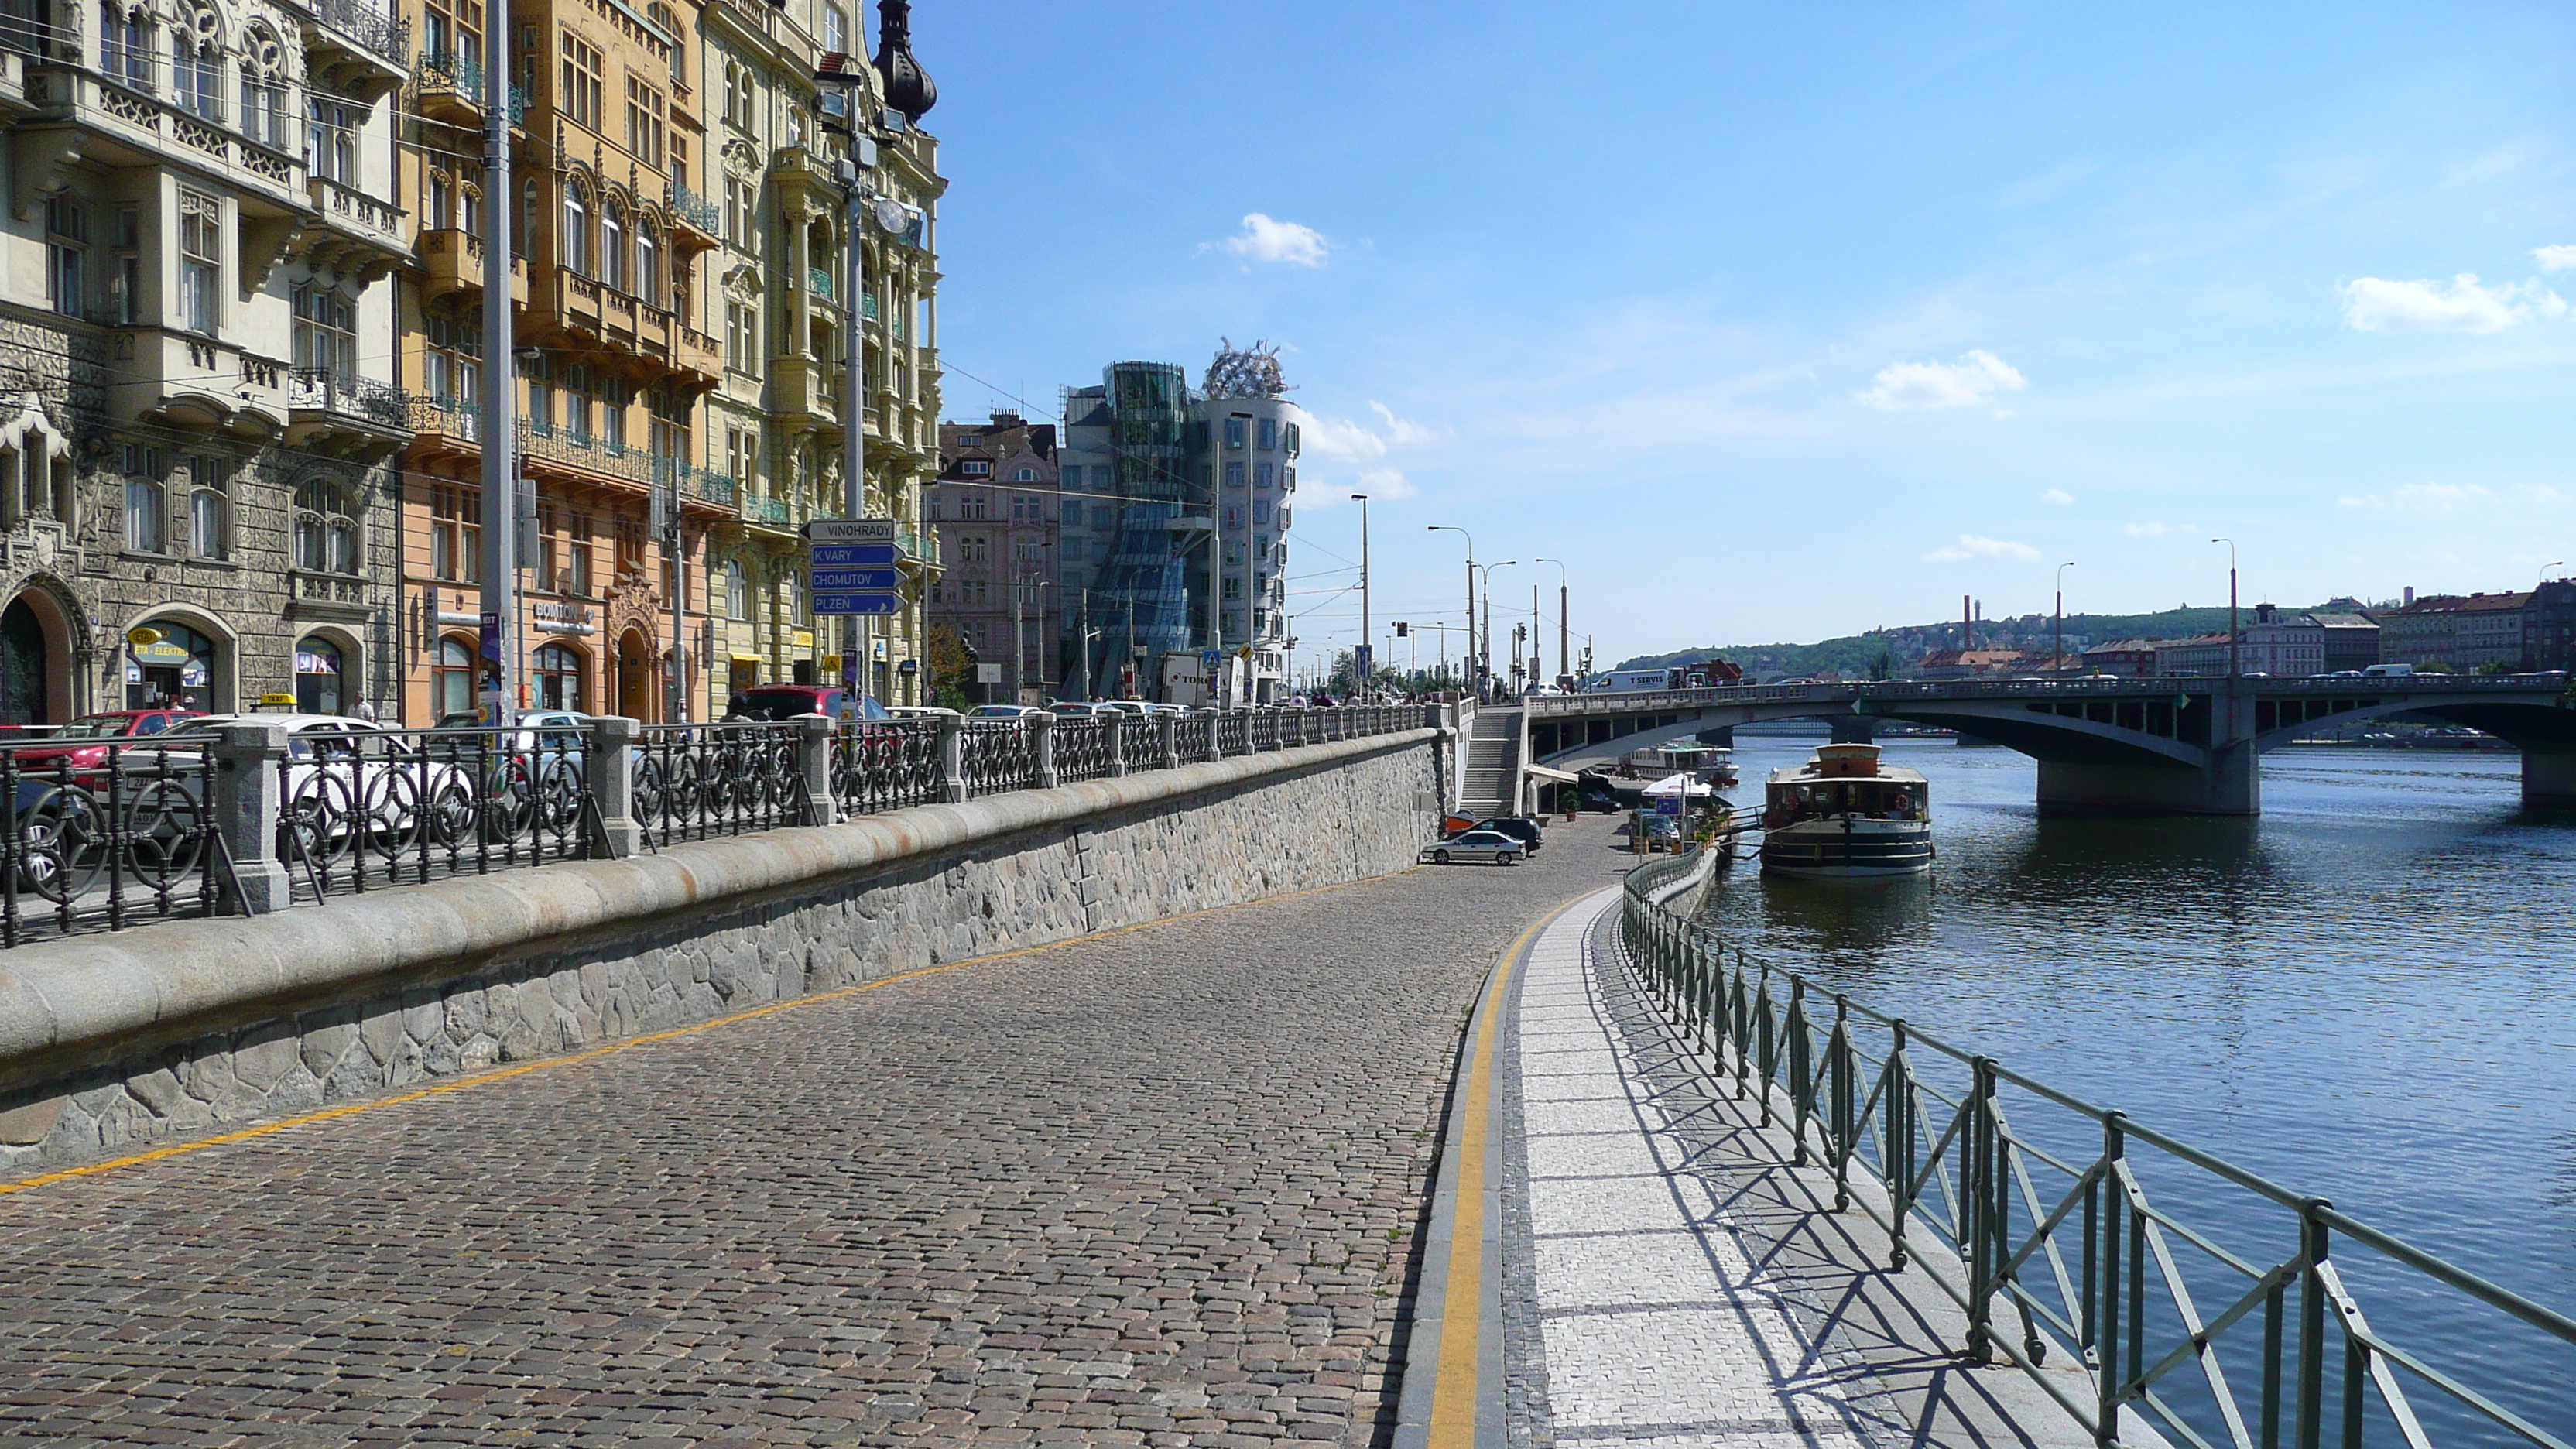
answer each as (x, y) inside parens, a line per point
(1701, 675)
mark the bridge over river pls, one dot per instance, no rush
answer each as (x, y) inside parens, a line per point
(2142, 746)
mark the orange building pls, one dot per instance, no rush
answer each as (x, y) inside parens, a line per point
(612, 354)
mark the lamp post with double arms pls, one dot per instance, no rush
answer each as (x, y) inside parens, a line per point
(1486, 654)
(2057, 637)
(1564, 635)
(2231, 611)
(1471, 594)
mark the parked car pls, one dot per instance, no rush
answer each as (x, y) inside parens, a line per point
(83, 744)
(921, 711)
(1003, 711)
(1140, 709)
(787, 701)
(1486, 845)
(1519, 827)
(1078, 709)
(2389, 671)
(344, 776)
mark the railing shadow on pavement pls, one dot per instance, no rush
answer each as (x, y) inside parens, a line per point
(2065, 1254)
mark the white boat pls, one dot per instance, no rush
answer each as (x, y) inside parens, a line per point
(1844, 816)
(1709, 764)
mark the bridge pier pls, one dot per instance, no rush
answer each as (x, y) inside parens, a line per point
(1723, 737)
(2549, 779)
(2231, 784)
(1848, 729)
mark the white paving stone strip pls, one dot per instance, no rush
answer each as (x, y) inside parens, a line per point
(1656, 1332)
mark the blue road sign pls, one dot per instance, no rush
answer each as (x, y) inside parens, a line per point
(858, 603)
(843, 580)
(853, 555)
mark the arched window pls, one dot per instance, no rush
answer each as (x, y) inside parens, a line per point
(557, 674)
(264, 116)
(125, 43)
(437, 211)
(452, 678)
(196, 80)
(209, 520)
(575, 242)
(326, 528)
(737, 591)
(317, 676)
(612, 246)
(648, 265)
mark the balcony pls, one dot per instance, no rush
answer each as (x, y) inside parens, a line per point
(698, 354)
(697, 487)
(453, 261)
(453, 422)
(452, 87)
(697, 220)
(359, 48)
(819, 282)
(543, 442)
(332, 412)
(360, 236)
(774, 514)
(116, 124)
(800, 395)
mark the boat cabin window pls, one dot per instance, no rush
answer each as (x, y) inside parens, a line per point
(1869, 799)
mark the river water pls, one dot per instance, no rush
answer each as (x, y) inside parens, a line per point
(2368, 994)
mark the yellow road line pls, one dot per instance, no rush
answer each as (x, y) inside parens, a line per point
(503, 1074)
(1453, 1394)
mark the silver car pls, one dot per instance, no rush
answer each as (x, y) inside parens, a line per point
(1485, 845)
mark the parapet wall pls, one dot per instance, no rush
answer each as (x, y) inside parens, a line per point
(113, 1043)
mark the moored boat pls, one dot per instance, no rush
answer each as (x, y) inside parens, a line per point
(1844, 815)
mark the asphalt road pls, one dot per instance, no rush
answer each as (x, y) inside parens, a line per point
(1158, 1187)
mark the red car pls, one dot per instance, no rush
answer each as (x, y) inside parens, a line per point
(82, 744)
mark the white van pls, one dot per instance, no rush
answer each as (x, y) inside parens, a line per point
(2389, 671)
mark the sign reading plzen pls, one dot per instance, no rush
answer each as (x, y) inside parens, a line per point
(869, 603)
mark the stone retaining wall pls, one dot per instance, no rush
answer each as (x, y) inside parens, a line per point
(111, 1043)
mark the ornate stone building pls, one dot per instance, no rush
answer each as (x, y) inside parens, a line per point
(197, 399)
(999, 515)
(782, 159)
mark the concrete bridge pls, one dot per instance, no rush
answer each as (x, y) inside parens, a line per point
(2104, 746)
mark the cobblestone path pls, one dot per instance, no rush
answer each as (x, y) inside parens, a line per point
(1157, 1188)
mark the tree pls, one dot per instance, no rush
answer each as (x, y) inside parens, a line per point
(952, 667)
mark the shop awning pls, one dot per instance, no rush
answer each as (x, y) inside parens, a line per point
(1542, 772)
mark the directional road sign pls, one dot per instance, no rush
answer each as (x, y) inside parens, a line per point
(844, 580)
(849, 530)
(853, 555)
(868, 603)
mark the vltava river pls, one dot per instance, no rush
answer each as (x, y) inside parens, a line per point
(2369, 994)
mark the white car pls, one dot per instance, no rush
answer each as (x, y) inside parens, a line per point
(1486, 845)
(1003, 711)
(346, 779)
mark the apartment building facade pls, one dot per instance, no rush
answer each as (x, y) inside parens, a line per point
(999, 515)
(2460, 633)
(198, 410)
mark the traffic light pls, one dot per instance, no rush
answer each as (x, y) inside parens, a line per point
(1403, 630)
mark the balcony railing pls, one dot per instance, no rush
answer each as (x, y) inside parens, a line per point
(446, 417)
(581, 450)
(818, 281)
(371, 27)
(695, 482)
(693, 209)
(464, 77)
(773, 512)
(362, 398)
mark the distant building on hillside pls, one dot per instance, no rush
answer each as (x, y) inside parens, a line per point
(2201, 657)
(2127, 658)
(1972, 663)
(2448, 631)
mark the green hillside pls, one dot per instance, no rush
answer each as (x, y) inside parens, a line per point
(1896, 650)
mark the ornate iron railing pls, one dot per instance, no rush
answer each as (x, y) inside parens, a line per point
(364, 398)
(885, 765)
(101, 834)
(695, 210)
(374, 808)
(1197, 734)
(1082, 748)
(997, 756)
(2063, 1252)
(697, 781)
(1140, 741)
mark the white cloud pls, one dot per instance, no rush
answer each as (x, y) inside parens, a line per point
(2432, 497)
(1398, 430)
(2376, 304)
(1343, 441)
(2055, 495)
(1970, 546)
(2556, 259)
(1386, 483)
(2156, 530)
(1265, 240)
(1975, 378)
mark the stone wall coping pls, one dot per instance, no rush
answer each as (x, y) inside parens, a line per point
(88, 999)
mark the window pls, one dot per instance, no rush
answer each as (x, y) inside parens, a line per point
(127, 283)
(326, 530)
(644, 122)
(317, 675)
(648, 266)
(125, 44)
(737, 591)
(741, 214)
(1025, 475)
(1261, 510)
(557, 676)
(1234, 474)
(452, 677)
(455, 537)
(973, 548)
(740, 336)
(208, 515)
(1291, 430)
(142, 515)
(975, 468)
(1265, 474)
(66, 253)
(1100, 515)
(575, 577)
(583, 92)
(974, 505)
(265, 117)
(836, 30)
(326, 330)
(612, 248)
(196, 78)
(1072, 513)
(331, 139)
(737, 96)
(201, 226)
(574, 246)
(1288, 477)
(1234, 430)
(451, 365)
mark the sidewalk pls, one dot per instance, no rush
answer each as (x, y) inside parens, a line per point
(1667, 1279)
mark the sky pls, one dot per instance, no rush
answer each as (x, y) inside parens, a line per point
(1782, 322)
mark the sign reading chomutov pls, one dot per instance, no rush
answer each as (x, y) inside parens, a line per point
(828, 580)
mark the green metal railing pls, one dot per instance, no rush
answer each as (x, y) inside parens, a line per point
(1924, 1137)
(818, 281)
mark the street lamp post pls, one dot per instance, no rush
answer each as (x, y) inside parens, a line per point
(2231, 607)
(1368, 642)
(1471, 592)
(1564, 636)
(2057, 638)
(2544, 571)
(1485, 667)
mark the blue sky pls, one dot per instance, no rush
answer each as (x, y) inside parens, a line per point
(1782, 322)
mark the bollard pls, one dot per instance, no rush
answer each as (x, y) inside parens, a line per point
(608, 771)
(952, 759)
(1042, 748)
(1169, 726)
(247, 806)
(814, 767)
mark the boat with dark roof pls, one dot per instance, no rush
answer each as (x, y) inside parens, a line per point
(1845, 816)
